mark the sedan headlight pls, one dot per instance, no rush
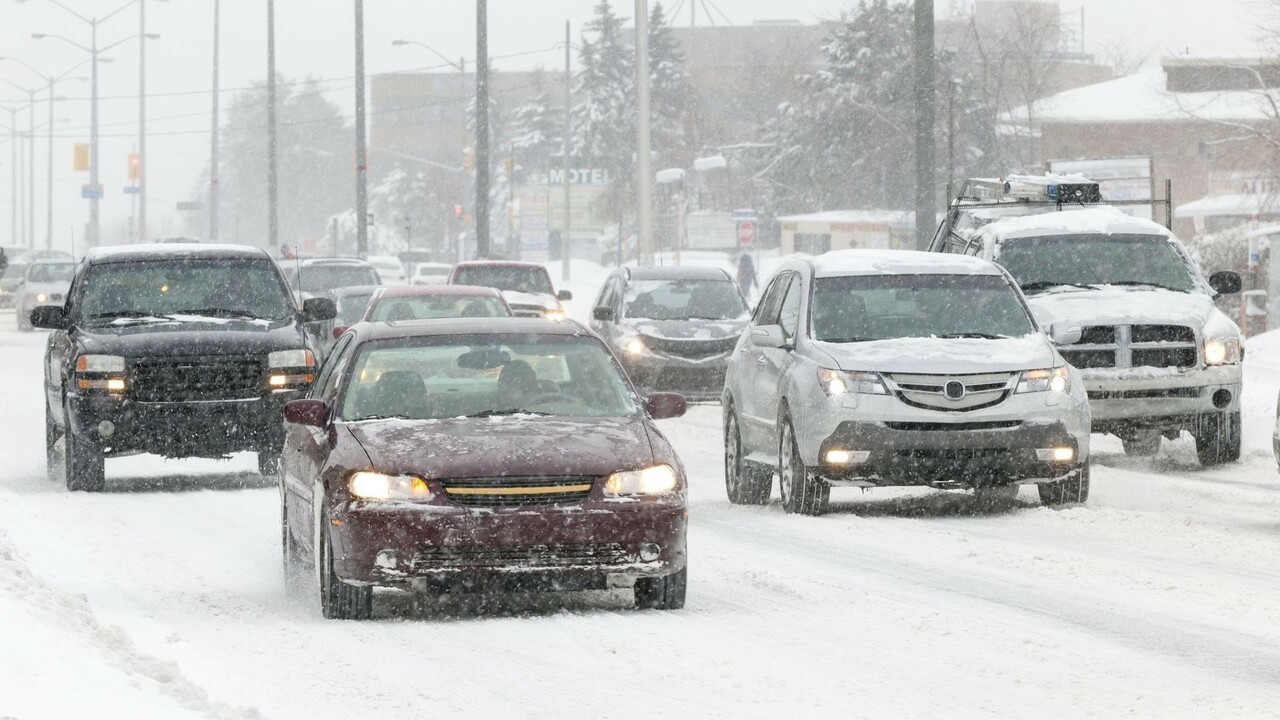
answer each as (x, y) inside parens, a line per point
(377, 486)
(839, 382)
(1222, 351)
(649, 481)
(1055, 380)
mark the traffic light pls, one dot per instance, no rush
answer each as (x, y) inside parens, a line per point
(135, 165)
(457, 211)
(469, 160)
(81, 157)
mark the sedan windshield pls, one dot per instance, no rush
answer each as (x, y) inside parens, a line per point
(882, 307)
(162, 288)
(486, 375)
(514, 278)
(1063, 261)
(427, 307)
(684, 300)
(51, 272)
(320, 279)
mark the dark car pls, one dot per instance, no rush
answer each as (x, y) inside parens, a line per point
(176, 350)
(351, 303)
(432, 456)
(673, 328)
(317, 277)
(526, 286)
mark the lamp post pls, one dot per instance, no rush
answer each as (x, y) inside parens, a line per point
(28, 224)
(273, 222)
(644, 160)
(362, 154)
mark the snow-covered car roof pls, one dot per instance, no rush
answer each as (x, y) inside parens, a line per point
(1100, 220)
(166, 251)
(895, 262)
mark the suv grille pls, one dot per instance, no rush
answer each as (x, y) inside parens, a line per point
(692, 349)
(188, 379)
(1130, 346)
(526, 310)
(930, 391)
(519, 556)
(518, 491)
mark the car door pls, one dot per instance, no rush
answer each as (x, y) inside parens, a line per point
(747, 361)
(60, 350)
(773, 363)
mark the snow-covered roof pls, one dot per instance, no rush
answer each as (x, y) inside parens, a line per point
(904, 218)
(1229, 205)
(1142, 97)
(1103, 219)
(893, 262)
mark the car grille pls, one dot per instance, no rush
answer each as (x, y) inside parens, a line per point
(1184, 393)
(514, 557)
(954, 427)
(930, 391)
(954, 455)
(1130, 346)
(692, 349)
(526, 310)
(518, 491)
(194, 379)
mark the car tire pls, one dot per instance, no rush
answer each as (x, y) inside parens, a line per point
(1073, 489)
(1142, 444)
(662, 593)
(744, 483)
(85, 465)
(340, 600)
(803, 492)
(1218, 439)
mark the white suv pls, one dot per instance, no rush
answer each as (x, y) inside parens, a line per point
(877, 368)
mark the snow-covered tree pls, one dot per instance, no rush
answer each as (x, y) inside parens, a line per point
(536, 132)
(670, 92)
(412, 208)
(604, 116)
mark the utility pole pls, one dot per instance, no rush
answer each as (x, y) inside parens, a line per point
(482, 129)
(644, 159)
(273, 227)
(362, 152)
(926, 111)
(567, 233)
(13, 173)
(213, 133)
(31, 168)
(142, 121)
(48, 221)
(95, 195)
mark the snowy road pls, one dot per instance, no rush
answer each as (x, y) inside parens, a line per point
(163, 598)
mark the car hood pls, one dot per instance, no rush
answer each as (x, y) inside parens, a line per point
(523, 298)
(688, 329)
(177, 339)
(932, 356)
(505, 446)
(1122, 306)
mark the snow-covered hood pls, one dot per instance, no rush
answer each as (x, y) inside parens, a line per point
(689, 329)
(514, 298)
(931, 356)
(1128, 306)
(197, 337)
(499, 446)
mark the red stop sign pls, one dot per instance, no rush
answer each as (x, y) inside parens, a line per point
(746, 232)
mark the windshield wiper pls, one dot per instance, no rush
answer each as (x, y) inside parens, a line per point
(136, 315)
(1143, 283)
(851, 339)
(979, 336)
(1047, 285)
(512, 411)
(218, 313)
(383, 417)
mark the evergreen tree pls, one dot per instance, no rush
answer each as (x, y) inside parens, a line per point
(670, 92)
(537, 129)
(604, 118)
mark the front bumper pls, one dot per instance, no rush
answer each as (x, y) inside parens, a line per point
(592, 545)
(1163, 399)
(181, 429)
(697, 379)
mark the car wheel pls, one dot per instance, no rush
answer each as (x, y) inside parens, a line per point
(1073, 489)
(743, 482)
(85, 466)
(340, 600)
(802, 491)
(1142, 444)
(1218, 439)
(662, 593)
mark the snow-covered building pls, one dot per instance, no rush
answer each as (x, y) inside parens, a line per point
(816, 233)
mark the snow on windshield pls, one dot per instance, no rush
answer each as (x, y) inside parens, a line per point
(217, 288)
(1043, 263)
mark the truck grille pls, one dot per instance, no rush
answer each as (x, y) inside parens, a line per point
(515, 557)
(195, 379)
(931, 391)
(518, 491)
(692, 349)
(527, 311)
(1130, 346)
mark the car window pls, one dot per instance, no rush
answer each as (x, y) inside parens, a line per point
(515, 278)
(183, 287)
(322, 278)
(351, 308)
(50, 272)
(685, 300)
(428, 307)
(326, 384)
(1045, 263)
(767, 309)
(789, 312)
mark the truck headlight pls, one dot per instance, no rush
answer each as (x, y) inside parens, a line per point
(291, 359)
(649, 481)
(377, 486)
(100, 364)
(1054, 380)
(839, 382)
(1222, 351)
(100, 372)
(291, 369)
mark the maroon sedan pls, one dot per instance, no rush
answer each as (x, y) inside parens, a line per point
(481, 454)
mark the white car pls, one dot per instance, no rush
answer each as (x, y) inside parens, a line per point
(431, 273)
(390, 269)
(46, 282)
(878, 368)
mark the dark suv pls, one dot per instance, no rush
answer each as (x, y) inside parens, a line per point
(177, 350)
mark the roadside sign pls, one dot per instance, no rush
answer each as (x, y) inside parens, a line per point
(91, 192)
(746, 232)
(132, 190)
(81, 157)
(188, 205)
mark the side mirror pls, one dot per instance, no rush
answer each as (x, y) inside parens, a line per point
(1064, 334)
(306, 412)
(603, 314)
(1225, 282)
(337, 331)
(768, 336)
(318, 309)
(50, 317)
(564, 295)
(664, 405)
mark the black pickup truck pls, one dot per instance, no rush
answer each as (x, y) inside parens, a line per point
(180, 350)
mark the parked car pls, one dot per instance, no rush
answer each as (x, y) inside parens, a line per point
(11, 280)
(432, 273)
(430, 456)
(876, 368)
(319, 276)
(177, 350)
(432, 302)
(389, 268)
(526, 286)
(673, 328)
(46, 283)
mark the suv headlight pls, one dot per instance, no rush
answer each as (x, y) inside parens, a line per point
(839, 382)
(291, 369)
(100, 372)
(1222, 351)
(377, 486)
(649, 481)
(1056, 380)
(634, 345)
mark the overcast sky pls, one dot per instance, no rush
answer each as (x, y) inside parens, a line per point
(315, 37)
